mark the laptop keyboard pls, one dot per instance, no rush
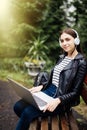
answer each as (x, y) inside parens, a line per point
(39, 101)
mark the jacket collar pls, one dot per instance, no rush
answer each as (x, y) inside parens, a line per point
(78, 56)
(70, 65)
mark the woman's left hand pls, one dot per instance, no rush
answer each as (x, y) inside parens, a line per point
(36, 89)
(51, 106)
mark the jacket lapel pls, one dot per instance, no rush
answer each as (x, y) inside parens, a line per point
(71, 65)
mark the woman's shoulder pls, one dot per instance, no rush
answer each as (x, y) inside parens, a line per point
(80, 56)
(82, 59)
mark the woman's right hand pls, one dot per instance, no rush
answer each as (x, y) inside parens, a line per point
(36, 89)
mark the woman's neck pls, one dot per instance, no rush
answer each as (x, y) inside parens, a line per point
(73, 54)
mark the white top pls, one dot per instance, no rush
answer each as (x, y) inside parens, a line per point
(57, 70)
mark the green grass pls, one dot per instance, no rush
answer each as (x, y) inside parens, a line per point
(20, 76)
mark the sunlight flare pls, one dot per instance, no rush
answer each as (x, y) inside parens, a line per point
(4, 8)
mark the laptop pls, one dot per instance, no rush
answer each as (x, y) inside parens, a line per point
(39, 99)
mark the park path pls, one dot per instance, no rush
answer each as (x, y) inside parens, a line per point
(8, 119)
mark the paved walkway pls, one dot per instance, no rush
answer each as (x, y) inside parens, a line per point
(8, 119)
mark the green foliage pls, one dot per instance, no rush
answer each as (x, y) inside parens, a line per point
(53, 21)
(17, 30)
(38, 49)
(21, 26)
(19, 76)
(51, 24)
(80, 16)
(11, 64)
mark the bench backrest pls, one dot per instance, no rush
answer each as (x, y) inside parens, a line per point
(84, 90)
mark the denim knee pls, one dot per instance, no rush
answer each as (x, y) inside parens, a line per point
(25, 119)
(19, 107)
(30, 113)
(16, 109)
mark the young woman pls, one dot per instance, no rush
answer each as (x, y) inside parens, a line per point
(64, 85)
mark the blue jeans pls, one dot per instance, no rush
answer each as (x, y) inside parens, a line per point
(27, 112)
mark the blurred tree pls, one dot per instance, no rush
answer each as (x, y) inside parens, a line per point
(34, 17)
(54, 19)
(25, 16)
(80, 17)
(44, 18)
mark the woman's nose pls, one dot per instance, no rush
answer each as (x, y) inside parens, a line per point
(64, 42)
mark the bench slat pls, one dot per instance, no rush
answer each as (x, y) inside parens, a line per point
(55, 123)
(64, 124)
(33, 125)
(44, 124)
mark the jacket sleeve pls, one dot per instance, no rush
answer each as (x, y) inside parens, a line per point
(47, 83)
(78, 82)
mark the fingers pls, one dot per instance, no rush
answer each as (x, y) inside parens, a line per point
(49, 107)
(46, 108)
(32, 90)
(36, 89)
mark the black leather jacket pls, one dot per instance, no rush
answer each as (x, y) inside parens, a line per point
(70, 81)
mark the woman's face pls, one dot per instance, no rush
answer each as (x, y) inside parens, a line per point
(67, 42)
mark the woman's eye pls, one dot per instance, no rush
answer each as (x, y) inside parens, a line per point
(62, 41)
(67, 39)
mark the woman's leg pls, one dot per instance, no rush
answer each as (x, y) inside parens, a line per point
(30, 113)
(20, 106)
(27, 116)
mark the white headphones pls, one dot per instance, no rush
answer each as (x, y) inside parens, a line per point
(76, 40)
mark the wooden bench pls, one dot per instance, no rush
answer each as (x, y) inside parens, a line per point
(65, 121)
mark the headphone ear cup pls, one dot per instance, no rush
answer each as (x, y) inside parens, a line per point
(77, 41)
